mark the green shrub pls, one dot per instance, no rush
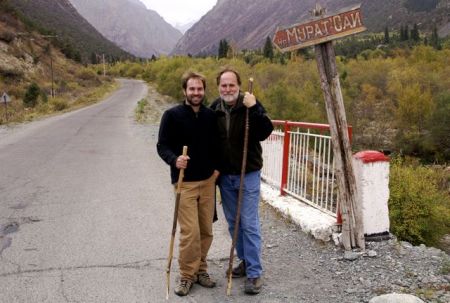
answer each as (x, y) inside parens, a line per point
(31, 95)
(141, 106)
(140, 110)
(419, 210)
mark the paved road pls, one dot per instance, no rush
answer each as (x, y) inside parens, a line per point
(85, 207)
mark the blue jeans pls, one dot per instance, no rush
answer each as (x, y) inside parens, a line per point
(248, 245)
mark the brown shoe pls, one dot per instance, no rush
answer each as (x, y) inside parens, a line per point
(253, 286)
(184, 287)
(238, 271)
(205, 280)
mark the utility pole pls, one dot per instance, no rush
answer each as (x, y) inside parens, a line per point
(51, 71)
(104, 67)
(52, 93)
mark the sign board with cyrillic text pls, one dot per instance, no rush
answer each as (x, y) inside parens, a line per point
(347, 22)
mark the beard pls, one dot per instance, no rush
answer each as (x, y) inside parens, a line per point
(230, 98)
(193, 102)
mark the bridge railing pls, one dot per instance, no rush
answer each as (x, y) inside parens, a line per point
(298, 160)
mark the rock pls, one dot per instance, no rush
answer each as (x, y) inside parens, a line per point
(395, 298)
(371, 253)
(350, 255)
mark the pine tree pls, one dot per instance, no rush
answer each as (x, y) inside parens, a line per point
(94, 58)
(220, 51)
(415, 35)
(435, 41)
(268, 49)
(223, 49)
(386, 35)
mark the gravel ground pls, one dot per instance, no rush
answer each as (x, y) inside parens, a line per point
(298, 268)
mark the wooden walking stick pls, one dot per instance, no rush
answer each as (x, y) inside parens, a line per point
(174, 226)
(241, 189)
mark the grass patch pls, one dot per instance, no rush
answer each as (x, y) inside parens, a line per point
(16, 112)
(140, 111)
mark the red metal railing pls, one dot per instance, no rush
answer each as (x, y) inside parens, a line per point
(307, 170)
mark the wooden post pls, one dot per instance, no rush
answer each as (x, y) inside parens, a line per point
(352, 228)
(51, 69)
(104, 67)
(320, 31)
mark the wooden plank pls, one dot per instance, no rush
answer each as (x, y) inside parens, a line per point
(347, 22)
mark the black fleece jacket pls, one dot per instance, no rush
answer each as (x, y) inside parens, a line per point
(231, 128)
(180, 126)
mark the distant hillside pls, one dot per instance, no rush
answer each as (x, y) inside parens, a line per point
(77, 38)
(129, 24)
(247, 23)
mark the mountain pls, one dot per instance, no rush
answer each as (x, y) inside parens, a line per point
(183, 27)
(74, 35)
(247, 23)
(129, 24)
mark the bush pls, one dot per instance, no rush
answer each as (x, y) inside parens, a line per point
(87, 74)
(7, 36)
(419, 210)
(58, 104)
(31, 95)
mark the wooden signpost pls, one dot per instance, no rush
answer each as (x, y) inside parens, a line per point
(320, 31)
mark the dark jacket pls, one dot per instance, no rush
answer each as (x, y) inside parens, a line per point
(231, 138)
(180, 126)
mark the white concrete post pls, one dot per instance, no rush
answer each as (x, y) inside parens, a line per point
(372, 181)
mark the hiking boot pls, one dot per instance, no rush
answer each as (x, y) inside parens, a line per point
(184, 287)
(253, 286)
(205, 280)
(238, 271)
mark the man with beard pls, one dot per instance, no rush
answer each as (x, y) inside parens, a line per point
(194, 125)
(231, 109)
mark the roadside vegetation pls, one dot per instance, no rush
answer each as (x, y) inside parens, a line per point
(397, 96)
(32, 101)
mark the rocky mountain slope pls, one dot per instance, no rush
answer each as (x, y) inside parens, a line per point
(129, 24)
(74, 35)
(247, 23)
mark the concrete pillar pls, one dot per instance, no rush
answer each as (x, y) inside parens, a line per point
(372, 181)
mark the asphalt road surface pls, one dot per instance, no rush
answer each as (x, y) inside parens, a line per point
(86, 210)
(85, 207)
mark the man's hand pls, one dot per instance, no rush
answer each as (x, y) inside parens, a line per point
(249, 100)
(182, 161)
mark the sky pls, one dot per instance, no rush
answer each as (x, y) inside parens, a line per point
(180, 11)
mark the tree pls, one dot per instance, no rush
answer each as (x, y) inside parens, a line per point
(223, 48)
(415, 35)
(268, 49)
(94, 58)
(31, 95)
(434, 40)
(386, 35)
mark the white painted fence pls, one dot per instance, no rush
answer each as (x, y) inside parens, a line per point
(298, 160)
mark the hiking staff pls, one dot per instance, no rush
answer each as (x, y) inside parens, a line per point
(241, 188)
(174, 226)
